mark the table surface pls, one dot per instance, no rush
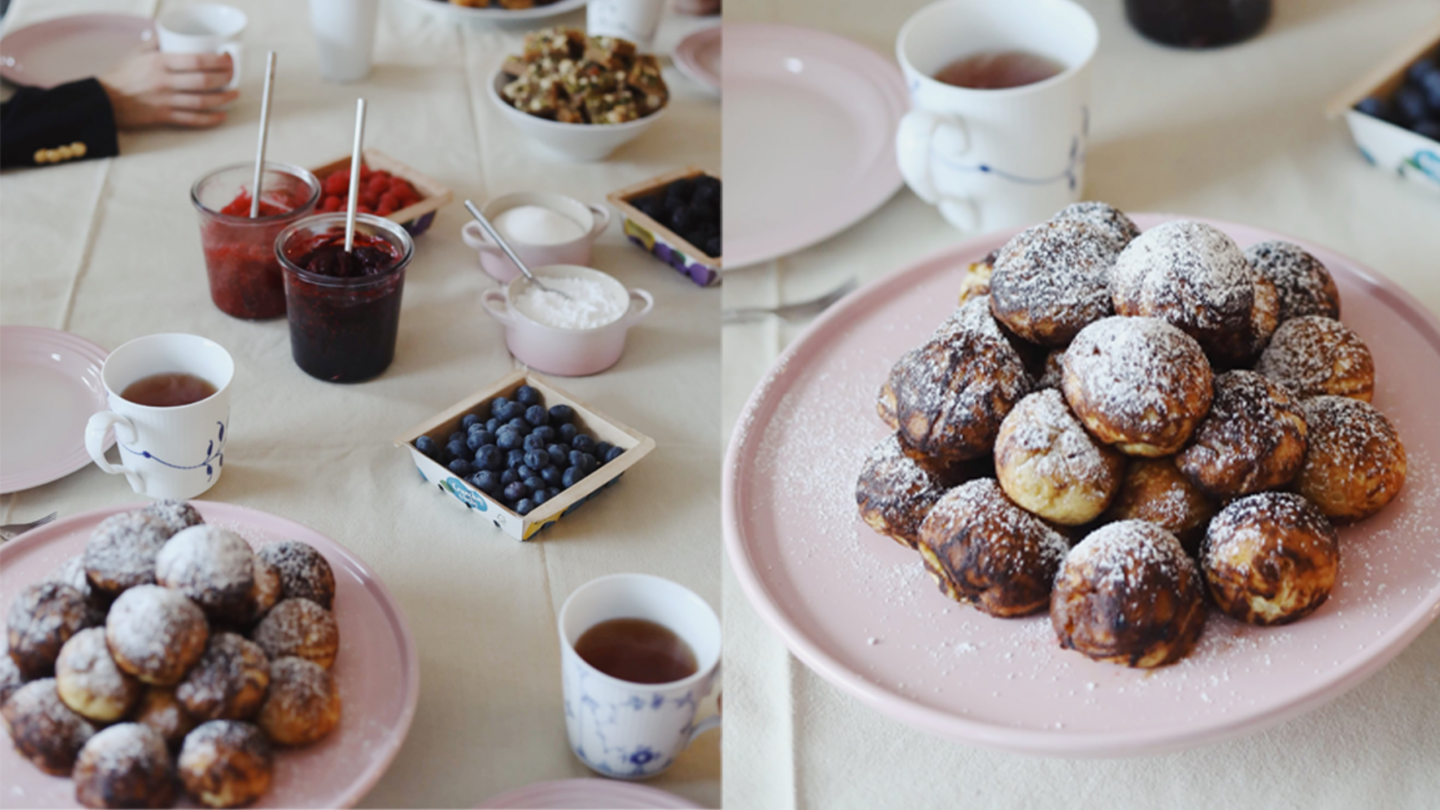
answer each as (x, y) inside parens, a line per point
(110, 250)
(1236, 134)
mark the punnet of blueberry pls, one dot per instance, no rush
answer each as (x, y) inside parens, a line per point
(1415, 104)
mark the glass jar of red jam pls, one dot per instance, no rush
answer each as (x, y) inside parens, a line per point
(344, 309)
(245, 279)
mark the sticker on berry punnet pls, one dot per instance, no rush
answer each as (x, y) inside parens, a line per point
(457, 488)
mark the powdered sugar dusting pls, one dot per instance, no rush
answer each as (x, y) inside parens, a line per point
(125, 748)
(1189, 273)
(1304, 285)
(1315, 355)
(1052, 280)
(1118, 228)
(1053, 445)
(1128, 554)
(1136, 371)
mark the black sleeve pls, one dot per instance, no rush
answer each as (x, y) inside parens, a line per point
(71, 122)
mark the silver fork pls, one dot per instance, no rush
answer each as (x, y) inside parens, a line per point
(797, 311)
(10, 531)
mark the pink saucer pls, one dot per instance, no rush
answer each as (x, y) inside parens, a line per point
(64, 49)
(699, 56)
(859, 609)
(587, 794)
(377, 669)
(52, 386)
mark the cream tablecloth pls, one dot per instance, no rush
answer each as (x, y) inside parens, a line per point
(1235, 134)
(110, 250)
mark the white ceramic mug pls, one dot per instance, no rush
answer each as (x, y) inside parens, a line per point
(204, 28)
(344, 37)
(635, 730)
(991, 159)
(174, 452)
(635, 20)
(592, 220)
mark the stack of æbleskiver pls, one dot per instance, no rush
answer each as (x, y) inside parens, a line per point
(1115, 423)
(170, 634)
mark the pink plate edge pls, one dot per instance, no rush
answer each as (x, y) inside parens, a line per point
(255, 517)
(878, 186)
(79, 457)
(1090, 745)
(595, 789)
(28, 33)
(686, 59)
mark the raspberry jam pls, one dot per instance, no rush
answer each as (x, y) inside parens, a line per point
(344, 308)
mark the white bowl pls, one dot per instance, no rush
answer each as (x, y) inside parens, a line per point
(579, 142)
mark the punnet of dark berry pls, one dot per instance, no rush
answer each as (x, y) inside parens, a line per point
(690, 207)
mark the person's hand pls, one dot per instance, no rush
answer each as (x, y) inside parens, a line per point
(183, 89)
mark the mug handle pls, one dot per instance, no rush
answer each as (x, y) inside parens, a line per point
(234, 49)
(921, 133)
(602, 219)
(95, 431)
(713, 721)
(491, 297)
(648, 302)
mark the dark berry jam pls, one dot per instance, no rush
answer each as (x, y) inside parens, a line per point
(325, 255)
(1198, 23)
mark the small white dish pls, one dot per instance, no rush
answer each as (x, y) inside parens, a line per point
(574, 142)
(52, 385)
(566, 352)
(592, 220)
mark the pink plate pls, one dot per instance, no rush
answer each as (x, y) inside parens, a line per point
(377, 670)
(51, 387)
(858, 608)
(64, 49)
(587, 794)
(699, 57)
(815, 115)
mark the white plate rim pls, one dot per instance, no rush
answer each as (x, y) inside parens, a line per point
(76, 457)
(689, 66)
(465, 14)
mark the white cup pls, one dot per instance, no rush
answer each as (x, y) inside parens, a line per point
(204, 28)
(344, 36)
(174, 452)
(993, 159)
(635, 20)
(635, 730)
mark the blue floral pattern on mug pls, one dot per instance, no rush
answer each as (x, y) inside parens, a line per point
(214, 455)
(621, 732)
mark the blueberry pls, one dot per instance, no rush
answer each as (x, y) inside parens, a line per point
(498, 406)
(558, 452)
(508, 438)
(493, 425)
(1410, 105)
(583, 443)
(516, 411)
(527, 395)
(514, 458)
(458, 435)
(1429, 128)
(537, 459)
(552, 493)
(551, 475)
(475, 440)
(612, 454)
(508, 477)
(487, 482)
(539, 496)
(533, 442)
(1422, 68)
(561, 413)
(524, 506)
(568, 432)
(534, 482)
(427, 445)
(537, 415)
(571, 476)
(519, 424)
(469, 420)
(456, 448)
(584, 462)
(524, 471)
(460, 467)
(486, 436)
(515, 490)
(1430, 85)
(490, 457)
(545, 432)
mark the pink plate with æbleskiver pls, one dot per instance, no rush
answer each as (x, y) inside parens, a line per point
(859, 609)
(377, 668)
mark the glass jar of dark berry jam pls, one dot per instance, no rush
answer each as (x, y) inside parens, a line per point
(344, 309)
(1198, 23)
(245, 280)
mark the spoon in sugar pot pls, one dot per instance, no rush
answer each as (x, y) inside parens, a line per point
(509, 251)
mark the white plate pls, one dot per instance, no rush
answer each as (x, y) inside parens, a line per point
(51, 386)
(64, 49)
(493, 14)
(810, 122)
(587, 794)
(699, 57)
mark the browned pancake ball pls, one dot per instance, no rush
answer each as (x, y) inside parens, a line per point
(1304, 285)
(264, 593)
(178, 515)
(162, 711)
(226, 763)
(1270, 558)
(156, 634)
(11, 678)
(895, 492)
(228, 682)
(304, 571)
(1252, 440)
(43, 729)
(90, 683)
(1154, 490)
(303, 704)
(72, 573)
(1117, 228)
(1052, 374)
(211, 566)
(1264, 320)
(1138, 383)
(983, 549)
(1355, 463)
(977, 278)
(1129, 594)
(300, 628)
(125, 766)
(1051, 280)
(41, 619)
(1048, 464)
(1314, 355)
(1191, 275)
(951, 395)
(121, 551)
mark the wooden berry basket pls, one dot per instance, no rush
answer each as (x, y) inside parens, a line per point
(415, 218)
(665, 244)
(522, 527)
(1383, 144)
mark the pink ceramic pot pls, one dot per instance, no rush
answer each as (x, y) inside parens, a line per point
(592, 219)
(565, 352)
